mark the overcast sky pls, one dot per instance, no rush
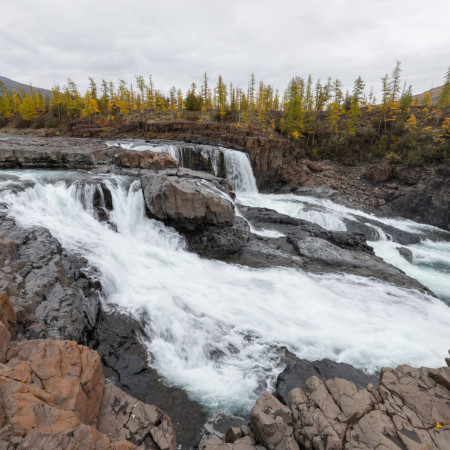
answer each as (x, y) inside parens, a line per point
(47, 41)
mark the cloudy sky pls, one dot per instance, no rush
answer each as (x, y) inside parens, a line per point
(47, 41)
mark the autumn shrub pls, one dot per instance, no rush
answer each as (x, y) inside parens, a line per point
(393, 158)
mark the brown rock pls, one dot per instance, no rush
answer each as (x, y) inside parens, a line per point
(188, 202)
(8, 324)
(7, 314)
(379, 174)
(272, 423)
(314, 166)
(145, 160)
(127, 418)
(59, 377)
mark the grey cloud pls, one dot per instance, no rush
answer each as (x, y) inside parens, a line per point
(177, 40)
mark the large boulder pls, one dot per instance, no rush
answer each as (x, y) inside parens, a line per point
(53, 395)
(188, 200)
(272, 423)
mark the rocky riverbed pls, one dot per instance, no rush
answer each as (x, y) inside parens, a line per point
(53, 306)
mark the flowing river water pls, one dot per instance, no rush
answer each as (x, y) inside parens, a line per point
(219, 330)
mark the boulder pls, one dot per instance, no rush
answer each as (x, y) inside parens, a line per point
(144, 160)
(188, 200)
(53, 395)
(379, 174)
(272, 423)
(406, 253)
(124, 417)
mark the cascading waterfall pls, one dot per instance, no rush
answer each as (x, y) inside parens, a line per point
(219, 330)
(430, 265)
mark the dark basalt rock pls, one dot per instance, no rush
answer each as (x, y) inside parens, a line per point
(298, 371)
(118, 339)
(406, 253)
(54, 294)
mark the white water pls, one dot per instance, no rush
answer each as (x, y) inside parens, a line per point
(217, 329)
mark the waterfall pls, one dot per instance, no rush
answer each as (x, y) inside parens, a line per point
(216, 329)
(237, 164)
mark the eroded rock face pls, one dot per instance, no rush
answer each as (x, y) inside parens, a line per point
(53, 393)
(272, 423)
(50, 290)
(188, 200)
(410, 410)
(123, 416)
(8, 324)
(144, 160)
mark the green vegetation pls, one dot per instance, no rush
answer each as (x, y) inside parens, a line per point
(318, 117)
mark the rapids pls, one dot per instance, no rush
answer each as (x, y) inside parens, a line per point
(220, 330)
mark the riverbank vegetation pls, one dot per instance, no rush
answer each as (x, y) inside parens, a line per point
(317, 115)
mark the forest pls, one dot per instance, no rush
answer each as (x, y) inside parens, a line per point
(318, 116)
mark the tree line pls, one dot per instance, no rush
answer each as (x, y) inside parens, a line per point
(311, 112)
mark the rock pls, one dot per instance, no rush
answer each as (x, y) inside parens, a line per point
(379, 174)
(124, 417)
(272, 423)
(119, 340)
(314, 166)
(8, 324)
(144, 160)
(218, 425)
(191, 201)
(410, 410)
(406, 253)
(53, 393)
(52, 292)
(219, 242)
(298, 371)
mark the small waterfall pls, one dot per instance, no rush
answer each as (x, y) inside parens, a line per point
(239, 172)
(238, 169)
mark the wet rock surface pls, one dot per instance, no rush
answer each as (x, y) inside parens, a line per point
(190, 200)
(52, 393)
(308, 246)
(55, 294)
(118, 339)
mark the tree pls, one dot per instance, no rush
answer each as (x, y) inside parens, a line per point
(206, 93)
(411, 124)
(395, 81)
(426, 100)
(90, 105)
(193, 102)
(27, 108)
(444, 97)
(221, 97)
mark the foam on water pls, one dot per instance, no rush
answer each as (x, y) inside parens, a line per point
(216, 329)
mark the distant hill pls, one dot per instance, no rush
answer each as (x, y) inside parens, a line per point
(11, 85)
(435, 92)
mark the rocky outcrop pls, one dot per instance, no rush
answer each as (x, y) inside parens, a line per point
(143, 160)
(188, 200)
(410, 410)
(298, 371)
(69, 153)
(305, 245)
(53, 293)
(53, 395)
